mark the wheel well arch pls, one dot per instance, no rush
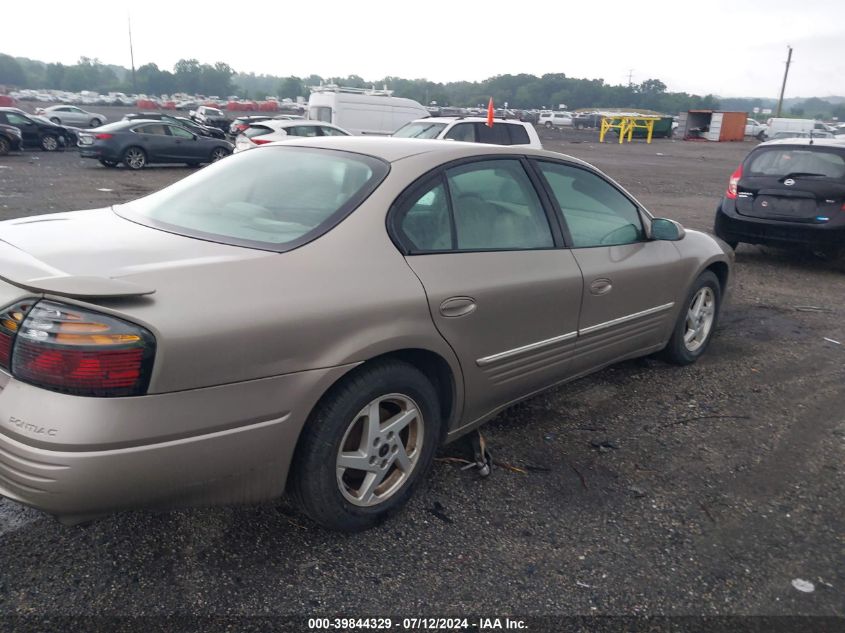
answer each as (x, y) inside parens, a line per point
(720, 269)
(432, 365)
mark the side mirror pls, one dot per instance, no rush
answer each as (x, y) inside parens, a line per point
(668, 230)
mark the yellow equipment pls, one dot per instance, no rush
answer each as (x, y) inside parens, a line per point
(626, 124)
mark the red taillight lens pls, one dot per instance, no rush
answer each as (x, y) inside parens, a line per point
(733, 183)
(102, 136)
(10, 322)
(260, 141)
(75, 351)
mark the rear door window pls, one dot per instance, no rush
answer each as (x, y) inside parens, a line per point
(782, 162)
(518, 135)
(257, 130)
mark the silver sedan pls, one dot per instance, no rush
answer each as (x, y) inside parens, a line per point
(71, 115)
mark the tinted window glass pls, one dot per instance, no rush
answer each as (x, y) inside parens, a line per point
(302, 130)
(424, 220)
(266, 199)
(596, 213)
(462, 132)
(778, 162)
(179, 132)
(496, 135)
(330, 131)
(16, 119)
(420, 130)
(495, 206)
(518, 135)
(151, 129)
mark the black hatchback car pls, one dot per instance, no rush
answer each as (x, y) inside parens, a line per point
(788, 192)
(139, 143)
(36, 131)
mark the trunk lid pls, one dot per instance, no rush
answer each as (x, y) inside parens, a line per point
(99, 254)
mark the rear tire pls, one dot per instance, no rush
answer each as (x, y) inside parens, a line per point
(389, 465)
(96, 123)
(548, 125)
(108, 163)
(696, 322)
(134, 158)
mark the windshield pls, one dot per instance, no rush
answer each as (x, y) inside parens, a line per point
(794, 162)
(276, 198)
(420, 130)
(213, 112)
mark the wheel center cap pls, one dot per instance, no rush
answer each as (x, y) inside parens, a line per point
(383, 450)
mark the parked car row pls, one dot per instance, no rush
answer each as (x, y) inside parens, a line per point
(36, 131)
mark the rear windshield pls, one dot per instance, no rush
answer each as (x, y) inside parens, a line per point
(792, 161)
(213, 112)
(276, 198)
(420, 130)
(257, 130)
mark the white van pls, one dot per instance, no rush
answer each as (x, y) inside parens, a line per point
(795, 125)
(362, 111)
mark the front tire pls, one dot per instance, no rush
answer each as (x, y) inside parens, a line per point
(696, 322)
(134, 158)
(366, 446)
(96, 123)
(217, 153)
(548, 125)
(49, 143)
(56, 120)
(5, 146)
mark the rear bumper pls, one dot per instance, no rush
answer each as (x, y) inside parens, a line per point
(733, 227)
(98, 152)
(78, 457)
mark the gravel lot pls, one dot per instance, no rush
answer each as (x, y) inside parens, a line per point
(725, 481)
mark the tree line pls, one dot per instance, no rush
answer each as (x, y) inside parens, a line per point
(518, 91)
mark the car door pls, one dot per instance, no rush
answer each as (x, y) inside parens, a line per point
(156, 142)
(74, 116)
(629, 290)
(184, 145)
(501, 290)
(29, 129)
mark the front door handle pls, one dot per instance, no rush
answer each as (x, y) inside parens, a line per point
(601, 286)
(457, 306)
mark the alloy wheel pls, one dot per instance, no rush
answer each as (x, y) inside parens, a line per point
(50, 143)
(380, 449)
(218, 153)
(135, 158)
(700, 316)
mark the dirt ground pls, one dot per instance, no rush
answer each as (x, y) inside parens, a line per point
(648, 489)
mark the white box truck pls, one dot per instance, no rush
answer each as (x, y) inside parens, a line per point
(362, 111)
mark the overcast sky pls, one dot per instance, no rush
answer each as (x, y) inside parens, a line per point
(724, 47)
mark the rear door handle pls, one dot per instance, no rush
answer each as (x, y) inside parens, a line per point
(457, 306)
(601, 286)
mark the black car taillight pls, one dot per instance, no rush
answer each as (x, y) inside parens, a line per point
(10, 322)
(76, 351)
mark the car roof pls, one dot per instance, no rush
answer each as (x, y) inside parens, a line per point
(392, 149)
(470, 119)
(810, 142)
(281, 124)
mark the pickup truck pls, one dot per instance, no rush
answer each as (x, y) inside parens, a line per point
(756, 129)
(212, 117)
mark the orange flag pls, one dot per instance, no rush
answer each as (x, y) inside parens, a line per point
(490, 113)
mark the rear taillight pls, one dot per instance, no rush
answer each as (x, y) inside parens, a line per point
(10, 322)
(80, 352)
(260, 141)
(733, 183)
(102, 136)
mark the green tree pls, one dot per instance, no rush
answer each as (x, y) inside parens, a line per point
(11, 72)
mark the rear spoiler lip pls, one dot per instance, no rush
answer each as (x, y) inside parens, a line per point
(25, 271)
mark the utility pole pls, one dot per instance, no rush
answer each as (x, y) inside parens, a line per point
(783, 86)
(630, 77)
(132, 55)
